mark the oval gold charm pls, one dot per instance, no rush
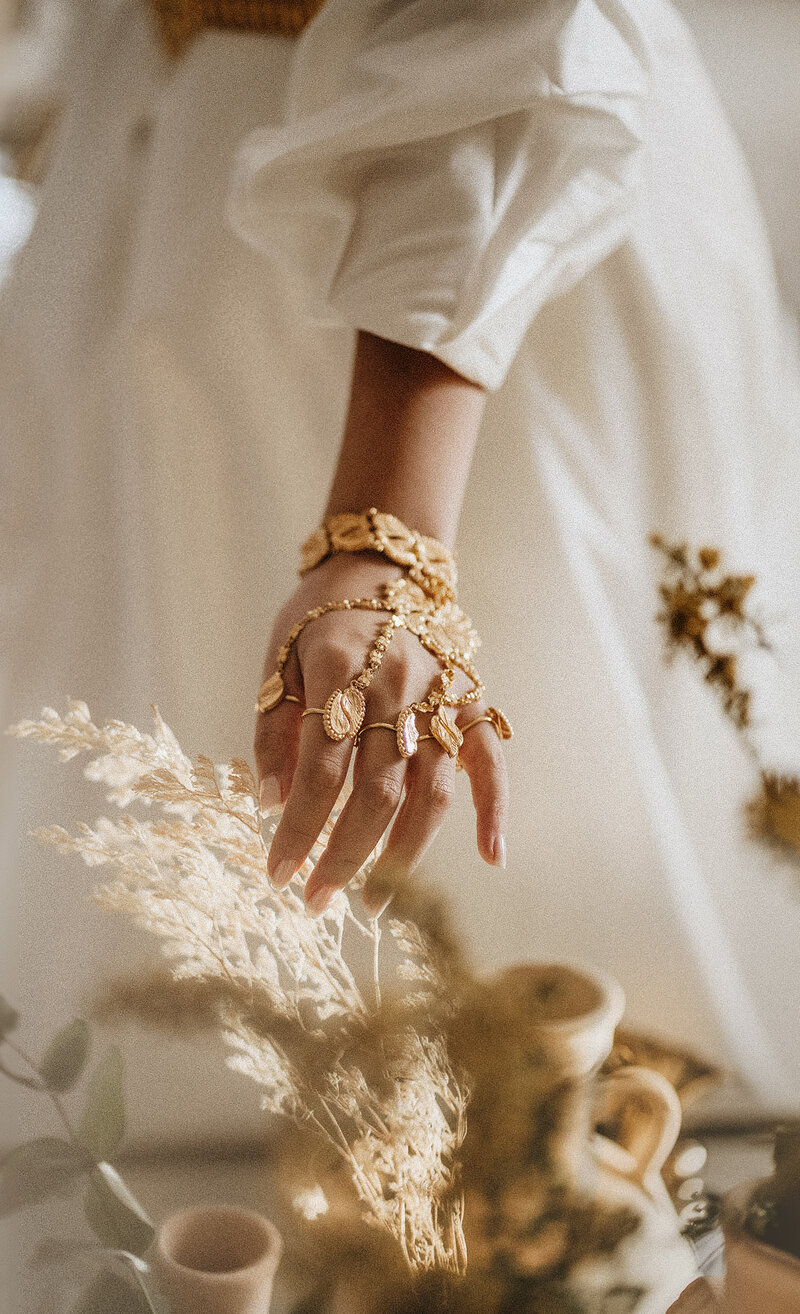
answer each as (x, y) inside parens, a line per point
(344, 713)
(270, 693)
(501, 723)
(446, 732)
(407, 732)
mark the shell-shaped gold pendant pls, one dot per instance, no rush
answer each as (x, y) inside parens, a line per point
(407, 732)
(343, 713)
(270, 693)
(446, 732)
(501, 723)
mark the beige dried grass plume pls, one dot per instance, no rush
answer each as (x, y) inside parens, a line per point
(372, 1081)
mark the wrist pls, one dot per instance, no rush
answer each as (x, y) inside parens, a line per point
(352, 575)
(408, 438)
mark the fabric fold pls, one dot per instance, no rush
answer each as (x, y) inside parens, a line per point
(446, 168)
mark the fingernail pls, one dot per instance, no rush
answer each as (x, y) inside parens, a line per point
(283, 873)
(499, 851)
(269, 795)
(319, 900)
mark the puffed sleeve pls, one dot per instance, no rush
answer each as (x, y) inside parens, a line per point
(448, 166)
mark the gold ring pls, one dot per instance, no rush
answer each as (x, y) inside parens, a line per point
(287, 698)
(404, 729)
(496, 719)
(375, 725)
(272, 692)
(477, 721)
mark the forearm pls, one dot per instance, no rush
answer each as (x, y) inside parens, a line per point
(408, 439)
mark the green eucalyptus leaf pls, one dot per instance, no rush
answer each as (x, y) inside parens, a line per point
(111, 1294)
(114, 1214)
(66, 1056)
(37, 1170)
(9, 1018)
(102, 1126)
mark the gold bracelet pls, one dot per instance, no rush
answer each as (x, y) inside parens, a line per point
(445, 631)
(428, 562)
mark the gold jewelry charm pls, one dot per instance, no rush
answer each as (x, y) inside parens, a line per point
(344, 713)
(407, 732)
(500, 722)
(445, 731)
(270, 693)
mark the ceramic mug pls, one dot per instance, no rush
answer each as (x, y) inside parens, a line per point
(216, 1260)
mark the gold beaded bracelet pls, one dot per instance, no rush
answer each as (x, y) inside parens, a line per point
(428, 562)
(446, 631)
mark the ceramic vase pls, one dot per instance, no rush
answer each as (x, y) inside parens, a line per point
(539, 1035)
(216, 1260)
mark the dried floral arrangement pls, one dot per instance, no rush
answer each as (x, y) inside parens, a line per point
(277, 981)
(706, 614)
(372, 1081)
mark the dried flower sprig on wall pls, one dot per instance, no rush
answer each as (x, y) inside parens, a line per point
(774, 814)
(701, 607)
(195, 875)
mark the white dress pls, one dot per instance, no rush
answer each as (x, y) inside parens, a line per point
(543, 193)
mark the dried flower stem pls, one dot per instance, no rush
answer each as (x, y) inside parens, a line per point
(373, 1088)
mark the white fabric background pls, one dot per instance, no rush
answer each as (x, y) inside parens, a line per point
(172, 421)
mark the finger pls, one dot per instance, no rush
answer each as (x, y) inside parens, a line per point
(378, 778)
(430, 789)
(321, 767)
(483, 759)
(277, 740)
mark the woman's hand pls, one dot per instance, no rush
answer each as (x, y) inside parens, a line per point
(298, 764)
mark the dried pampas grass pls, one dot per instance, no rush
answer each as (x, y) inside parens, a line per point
(373, 1083)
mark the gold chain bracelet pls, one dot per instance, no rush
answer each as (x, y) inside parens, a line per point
(428, 562)
(439, 625)
(445, 631)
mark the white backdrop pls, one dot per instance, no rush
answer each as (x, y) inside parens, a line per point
(754, 53)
